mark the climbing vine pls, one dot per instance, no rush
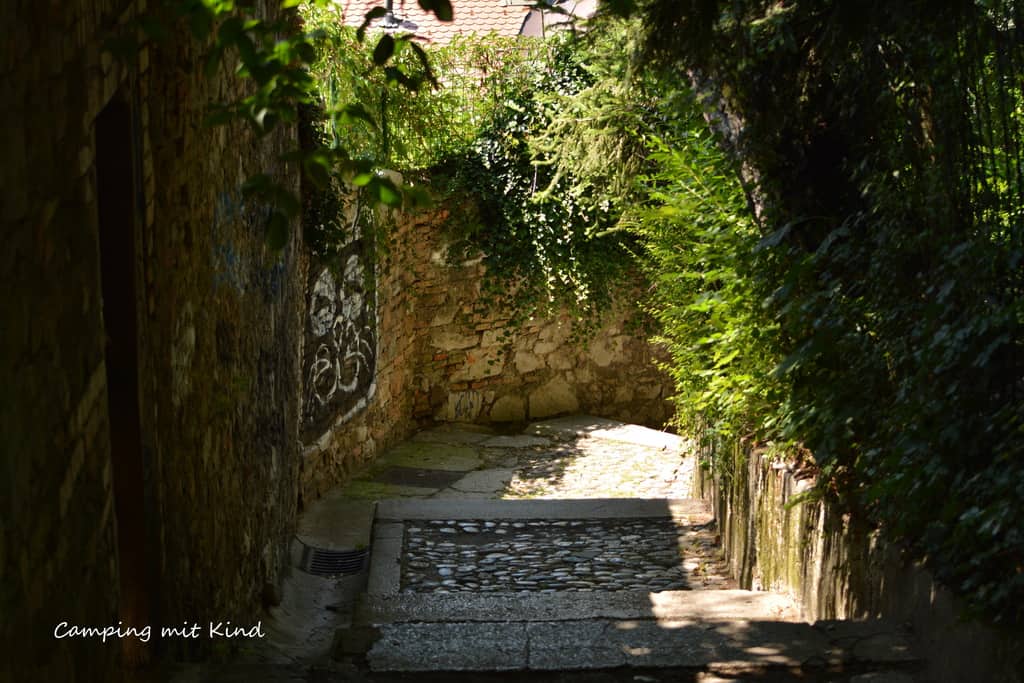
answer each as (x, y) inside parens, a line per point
(545, 245)
(834, 238)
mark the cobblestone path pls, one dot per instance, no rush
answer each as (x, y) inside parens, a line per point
(547, 556)
(569, 458)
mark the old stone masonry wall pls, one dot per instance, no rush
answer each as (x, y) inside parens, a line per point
(150, 350)
(479, 367)
(418, 350)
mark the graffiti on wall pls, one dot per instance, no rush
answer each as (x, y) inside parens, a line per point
(341, 339)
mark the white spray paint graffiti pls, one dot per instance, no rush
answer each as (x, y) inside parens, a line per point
(341, 338)
(338, 317)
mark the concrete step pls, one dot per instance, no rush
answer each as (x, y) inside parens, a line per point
(679, 509)
(711, 605)
(734, 646)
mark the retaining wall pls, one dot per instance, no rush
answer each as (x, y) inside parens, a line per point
(838, 568)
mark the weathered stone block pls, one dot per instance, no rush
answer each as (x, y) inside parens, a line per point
(603, 351)
(449, 339)
(495, 337)
(561, 359)
(543, 348)
(553, 398)
(444, 314)
(479, 365)
(508, 408)
(462, 406)
(527, 362)
(649, 392)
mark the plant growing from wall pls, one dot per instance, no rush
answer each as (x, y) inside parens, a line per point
(545, 245)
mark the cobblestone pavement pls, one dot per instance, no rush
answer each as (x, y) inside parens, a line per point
(546, 556)
(595, 468)
(569, 458)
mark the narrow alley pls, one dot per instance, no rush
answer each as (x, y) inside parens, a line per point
(609, 341)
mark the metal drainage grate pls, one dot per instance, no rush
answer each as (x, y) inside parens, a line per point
(324, 562)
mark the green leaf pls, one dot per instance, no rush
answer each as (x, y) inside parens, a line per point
(375, 13)
(442, 9)
(219, 116)
(364, 178)
(421, 55)
(384, 49)
(286, 202)
(213, 61)
(305, 52)
(351, 113)
(415, 197)
(318, 171)
(385, 191)
(396, 75)
(230, 30)
(256, 185)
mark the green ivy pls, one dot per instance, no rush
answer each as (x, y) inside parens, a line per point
(545, 245)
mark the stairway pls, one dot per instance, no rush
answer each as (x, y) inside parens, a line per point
(572, 589)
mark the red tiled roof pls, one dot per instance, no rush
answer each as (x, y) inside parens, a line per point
(469, 17)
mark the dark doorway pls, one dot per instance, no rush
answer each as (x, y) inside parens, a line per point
(117, 226)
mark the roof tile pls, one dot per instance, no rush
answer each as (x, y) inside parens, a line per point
(469, 17)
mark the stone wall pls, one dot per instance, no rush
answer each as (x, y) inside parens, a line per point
(439, 359)
(378, 413)
(213, 352)
(838, 568)
(478, 367)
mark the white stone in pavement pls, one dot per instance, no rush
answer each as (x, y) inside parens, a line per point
(574, 425)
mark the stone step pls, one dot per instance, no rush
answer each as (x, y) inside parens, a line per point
(711, 605)
(680, 509)
(734, 646)
(402, 632)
